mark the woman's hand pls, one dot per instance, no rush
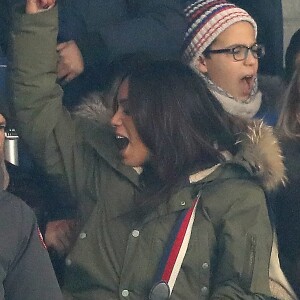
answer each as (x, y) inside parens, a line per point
(36, 6)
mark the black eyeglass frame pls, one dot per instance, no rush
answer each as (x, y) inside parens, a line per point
(254, 50)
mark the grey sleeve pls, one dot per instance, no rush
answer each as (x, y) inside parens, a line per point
(29, 275)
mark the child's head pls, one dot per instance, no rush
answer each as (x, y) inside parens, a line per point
(221, 44)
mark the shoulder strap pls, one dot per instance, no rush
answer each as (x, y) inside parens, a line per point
(174, 253)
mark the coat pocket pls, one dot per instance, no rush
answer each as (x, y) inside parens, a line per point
(249, 261)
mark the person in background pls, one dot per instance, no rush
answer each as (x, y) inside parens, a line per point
(292, 56)
(49, 200)
(26, 270)
(290, 12)
(5, 20)
(220, 45)
(287, 204)
(56, 218)
(93, 33)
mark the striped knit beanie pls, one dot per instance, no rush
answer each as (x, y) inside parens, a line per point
(206, 20)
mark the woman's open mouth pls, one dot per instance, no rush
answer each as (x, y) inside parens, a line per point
(122, 142)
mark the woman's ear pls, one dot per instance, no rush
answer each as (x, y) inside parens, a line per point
(201, 64)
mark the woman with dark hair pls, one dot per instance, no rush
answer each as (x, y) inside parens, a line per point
(287, 199)
(183, 132)
(168, 124)
(178, 209)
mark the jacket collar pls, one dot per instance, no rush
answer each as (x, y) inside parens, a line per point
(259, 158)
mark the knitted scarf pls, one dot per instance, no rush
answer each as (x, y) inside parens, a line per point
(246, 108)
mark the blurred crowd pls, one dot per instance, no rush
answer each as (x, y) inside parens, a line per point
(150, 149)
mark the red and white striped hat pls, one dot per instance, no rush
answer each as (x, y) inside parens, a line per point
(206, 20)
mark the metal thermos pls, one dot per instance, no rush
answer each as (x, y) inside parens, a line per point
(11, 146)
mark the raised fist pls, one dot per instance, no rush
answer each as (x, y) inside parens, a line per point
(36, 6)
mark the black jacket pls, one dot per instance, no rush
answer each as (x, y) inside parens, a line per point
(287, 204)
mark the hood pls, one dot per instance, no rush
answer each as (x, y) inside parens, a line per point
(259, 151)
(93, 107)
(261, 154)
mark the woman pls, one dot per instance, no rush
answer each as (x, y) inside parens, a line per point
(287, 199)
(196, 164)
(168, 123)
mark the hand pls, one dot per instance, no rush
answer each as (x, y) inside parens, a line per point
(60, 234)
(36, 6)
(70, 64)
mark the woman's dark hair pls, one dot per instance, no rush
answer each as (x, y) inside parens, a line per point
(289, 119)
(179, 120)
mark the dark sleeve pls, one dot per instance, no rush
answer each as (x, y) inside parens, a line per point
(4, 25)
(157, 29)
(71, 23)
(287, 204)
(30, 275)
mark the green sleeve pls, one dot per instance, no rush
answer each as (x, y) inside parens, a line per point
(44, 124)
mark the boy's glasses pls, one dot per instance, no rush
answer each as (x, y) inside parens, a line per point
(240, 52)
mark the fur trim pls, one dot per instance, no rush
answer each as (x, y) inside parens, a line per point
(93, 107)
(261, 150)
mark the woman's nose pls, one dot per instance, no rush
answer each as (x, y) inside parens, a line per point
(116, 119)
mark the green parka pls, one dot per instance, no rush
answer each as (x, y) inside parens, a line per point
(115, 258)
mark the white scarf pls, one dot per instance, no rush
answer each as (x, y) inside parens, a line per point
(246, 108)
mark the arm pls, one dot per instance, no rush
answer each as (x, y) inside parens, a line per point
(42, 121)
(244, 246)
(155, 27)
(29, 273)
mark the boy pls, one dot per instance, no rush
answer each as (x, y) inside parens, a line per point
(220, 45)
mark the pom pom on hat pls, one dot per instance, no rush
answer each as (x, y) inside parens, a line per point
(206, 20)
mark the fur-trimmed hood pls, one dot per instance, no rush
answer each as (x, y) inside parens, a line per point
(259, 152)
(93, 107)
